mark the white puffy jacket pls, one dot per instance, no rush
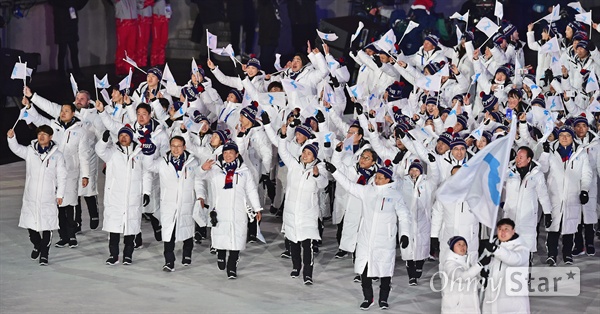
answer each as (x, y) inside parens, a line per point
(45, 180)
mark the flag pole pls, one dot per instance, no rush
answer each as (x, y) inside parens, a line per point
(96, 86)
(485, 42)
(25, 78)
(18, 118)
(135, 66)
(207, 45)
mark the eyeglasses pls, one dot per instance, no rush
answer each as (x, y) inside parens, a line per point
(366, 158)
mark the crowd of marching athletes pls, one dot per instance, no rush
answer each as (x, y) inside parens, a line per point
(190, 162)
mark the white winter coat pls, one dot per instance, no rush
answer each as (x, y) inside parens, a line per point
(419, 196)
(73, 143)
(231, 205)
(565, 182)
(383, 208)
(513, 253)
(126, 183)
(460, 284)
(521, 202)
(454, 219)
(45, 180)
(178, 190)
(301, 198)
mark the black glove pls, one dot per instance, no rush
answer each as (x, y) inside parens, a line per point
(338, 148)
(330, 167)
(335, 82)
(591, 46)
(320, 117)
(105, 136)
(399, 157)
(404, 241)
(491, 247)
(295, 123)
(485, 260)
(547, 220)
(546, 147)
(213, 218)
(264, 116)
(146, 200)
(431, 157)
(359, 108)
(484, 273)
(264, 178)
(584, 197)
(435, 244)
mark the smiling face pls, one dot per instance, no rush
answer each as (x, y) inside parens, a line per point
(460, 248)
(459, 152)
(307, 156)
(522, 160)
(251, 71)
(505, 233)
(229, 155)
(177, 147)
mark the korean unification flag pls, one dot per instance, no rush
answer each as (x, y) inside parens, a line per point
(498, 10)
(195, 70)
(125, 82)
(277, 63)
(550, 46)
(355, 91)
(430, 82)
(129, 60)
(488, 27)
(348, 144)
(478, 133)
(592, 82)
(211, 40)
(25, 116)
(19, 71)
(272, 99)
(554, 16)
(479, 181)
(357, 32)
(585, 18)
(463, 17)
(74, 87)
(387, 41)
(103, 83)
(327, 36)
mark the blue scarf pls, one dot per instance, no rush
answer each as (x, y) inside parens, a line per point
(365, 175)
(565, 152)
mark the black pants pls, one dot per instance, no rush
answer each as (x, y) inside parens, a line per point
(92, 205)
(232, 260)
(367, 286)
(584, 232)
(113, 244)
(62, 55)
(287, 245)
(169, 251)
(415, 268)
(338, 234)
(41, 242)
(66, 223)
(552, 243)
(306, 259)
(155, 226)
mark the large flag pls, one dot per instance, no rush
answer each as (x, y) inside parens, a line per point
(211, 40)
(488, 27)
(74, 87)
(327, 36)
(592, 82)
(479, 181)
(103, 83)
(357, 32)
(498, 10)
(430, 82)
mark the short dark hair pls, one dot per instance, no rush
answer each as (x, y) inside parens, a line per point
(528, 150)
(274, 84)
(144, 106)
(505, 221)
(177, 137)
(360, 129)
(373, 153)
(72, 106)
(44, 128)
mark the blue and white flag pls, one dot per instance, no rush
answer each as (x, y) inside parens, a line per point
(387, 41)
(592, 82)
(430, 82)
(20, 71)
(585, 18)
(479, 181)
(272, 99)
(103, 83)
(125, 83)
(348, 144)
(488, 27)
(357, 32)
(25, 116)
(211, 40)
(327, 36)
